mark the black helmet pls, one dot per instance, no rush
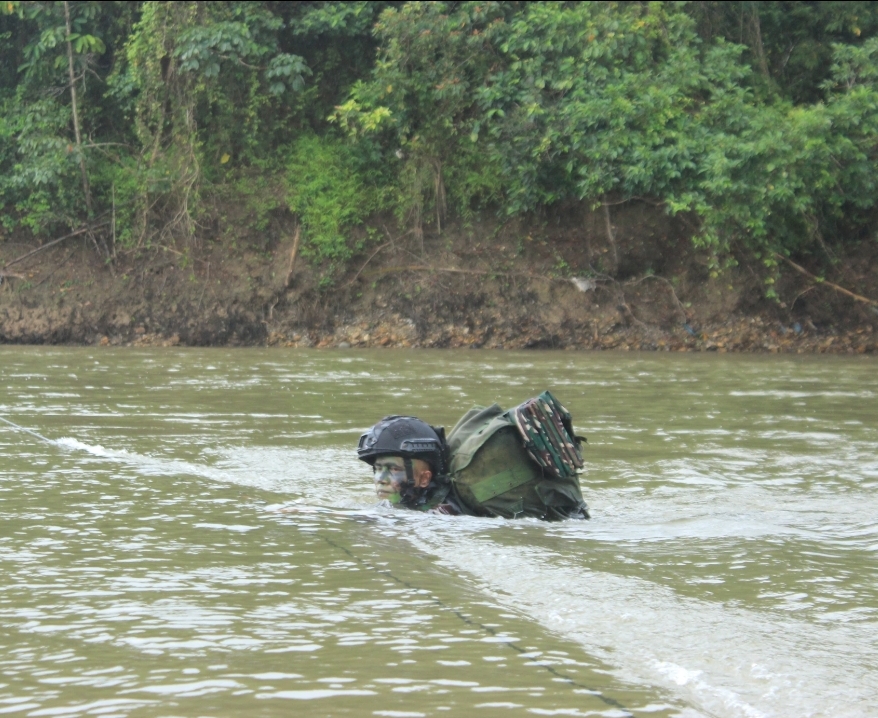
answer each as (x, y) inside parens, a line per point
(405, 436)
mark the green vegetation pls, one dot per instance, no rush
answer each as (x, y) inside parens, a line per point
(328, 191)
(758, 121)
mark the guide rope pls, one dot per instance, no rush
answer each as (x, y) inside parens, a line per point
(606, 700)
(28, 431)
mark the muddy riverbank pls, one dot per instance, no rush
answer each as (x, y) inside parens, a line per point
(559, 283)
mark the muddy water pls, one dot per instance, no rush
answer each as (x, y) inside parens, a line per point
(187, 533)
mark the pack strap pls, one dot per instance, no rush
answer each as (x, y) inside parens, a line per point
(492, 486)
(433, 498)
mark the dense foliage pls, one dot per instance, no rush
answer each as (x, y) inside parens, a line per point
(756, 120)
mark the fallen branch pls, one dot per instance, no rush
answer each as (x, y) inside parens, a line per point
(837, 288)
(51, 244)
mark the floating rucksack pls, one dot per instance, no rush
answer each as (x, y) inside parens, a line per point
(521, 462)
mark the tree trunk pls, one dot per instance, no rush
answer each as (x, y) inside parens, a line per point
(757, 40)
(74, 105)
(611, 235)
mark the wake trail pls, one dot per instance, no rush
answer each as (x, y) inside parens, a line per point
(722, 660)
(143, 463)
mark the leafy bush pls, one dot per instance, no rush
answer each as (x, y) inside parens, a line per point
(770, 145)
(329, 191)
(39, 181)
(577, 101)
(785, 178)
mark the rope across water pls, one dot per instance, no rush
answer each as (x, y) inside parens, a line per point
(28, 431)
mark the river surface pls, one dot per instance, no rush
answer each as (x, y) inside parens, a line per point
(187, 532)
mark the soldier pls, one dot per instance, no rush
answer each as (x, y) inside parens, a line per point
(409, 460)
(515, 464)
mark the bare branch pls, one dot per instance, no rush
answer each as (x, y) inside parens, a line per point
(837, 288)
(52, 244)
(371, 257)
(800, 295)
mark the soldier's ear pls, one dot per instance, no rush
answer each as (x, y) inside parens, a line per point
(422, 480)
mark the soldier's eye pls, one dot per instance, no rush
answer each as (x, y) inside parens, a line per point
(381, 468)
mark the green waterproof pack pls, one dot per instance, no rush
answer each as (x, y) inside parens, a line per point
(521, 462)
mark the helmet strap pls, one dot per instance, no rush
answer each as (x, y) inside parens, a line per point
(409, 494)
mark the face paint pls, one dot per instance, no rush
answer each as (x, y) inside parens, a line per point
(390, 477)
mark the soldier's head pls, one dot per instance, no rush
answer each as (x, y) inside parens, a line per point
(406, 455)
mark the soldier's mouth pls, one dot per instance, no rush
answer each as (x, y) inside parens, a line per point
(388, 494)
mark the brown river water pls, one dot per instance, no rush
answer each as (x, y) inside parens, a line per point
(187, 532)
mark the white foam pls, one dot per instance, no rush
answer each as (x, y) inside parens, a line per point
(721, 660)
(94, 449)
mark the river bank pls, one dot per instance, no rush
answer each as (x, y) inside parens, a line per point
(559, 282)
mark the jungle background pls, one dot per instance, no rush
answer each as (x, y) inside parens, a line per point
(645, 175)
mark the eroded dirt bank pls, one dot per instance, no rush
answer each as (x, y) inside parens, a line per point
(560, 282)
